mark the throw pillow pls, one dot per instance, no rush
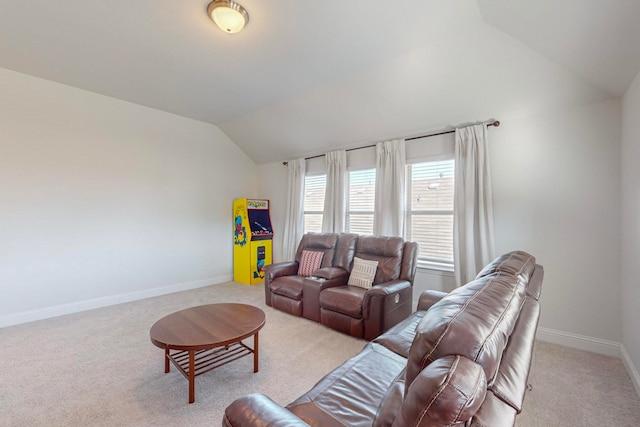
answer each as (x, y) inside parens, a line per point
(310, 261)
(362, 273)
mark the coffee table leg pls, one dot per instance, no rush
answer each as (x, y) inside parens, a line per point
(166, 360)
(192, 377)
(255, 353)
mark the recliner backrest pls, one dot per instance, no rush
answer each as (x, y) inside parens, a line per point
(409, 262)
(518, 263)
(319, 242)
(345, 250)
(522, 265)
(474, 321)
(387, 251)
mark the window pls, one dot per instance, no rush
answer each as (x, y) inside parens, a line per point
(429, 212)
(314, 189)
(360, 201)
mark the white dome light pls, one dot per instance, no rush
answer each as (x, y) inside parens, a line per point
(228, 15)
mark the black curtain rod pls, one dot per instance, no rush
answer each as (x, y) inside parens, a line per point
(495, 123)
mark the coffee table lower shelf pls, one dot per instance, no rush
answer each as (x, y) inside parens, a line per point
(192, 363)
(207, 360)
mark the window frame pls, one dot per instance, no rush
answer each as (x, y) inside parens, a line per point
(424, 262)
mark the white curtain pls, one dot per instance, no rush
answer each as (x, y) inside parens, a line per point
(294, 221)
(388, 218)
(473, 239)
(335, 205)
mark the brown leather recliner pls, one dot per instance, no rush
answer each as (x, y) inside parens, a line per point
(366, 313)
(283, 285)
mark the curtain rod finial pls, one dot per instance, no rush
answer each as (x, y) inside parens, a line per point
(496, 123)
(285, 163)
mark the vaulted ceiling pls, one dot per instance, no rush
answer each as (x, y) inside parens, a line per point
(308, 76)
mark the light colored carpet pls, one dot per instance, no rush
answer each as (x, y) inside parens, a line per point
(99, 368)
(578, 388)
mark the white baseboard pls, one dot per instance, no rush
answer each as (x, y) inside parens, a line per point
(596, 345)
(75, 307)
(581, 342)
(631, 369)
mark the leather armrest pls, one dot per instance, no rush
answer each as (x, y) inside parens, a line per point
(388, 288)
(273, 271)
(428, 298)
(258, 410)
(331, 273)
(385, 305)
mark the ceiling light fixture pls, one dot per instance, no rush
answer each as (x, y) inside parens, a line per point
(228, 15)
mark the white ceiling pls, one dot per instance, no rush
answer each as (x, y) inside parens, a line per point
(308, 76)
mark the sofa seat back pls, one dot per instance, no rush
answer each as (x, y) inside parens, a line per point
(345, 250)
(507, 384)
(516, 263)
(387, 251)
(319, 242)
(474, 320)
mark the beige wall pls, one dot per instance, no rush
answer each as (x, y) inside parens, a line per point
(630, 230)
(104, 201)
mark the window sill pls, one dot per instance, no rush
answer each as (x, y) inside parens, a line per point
(428, 268)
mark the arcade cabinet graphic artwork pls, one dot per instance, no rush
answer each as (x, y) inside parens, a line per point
(252, 240)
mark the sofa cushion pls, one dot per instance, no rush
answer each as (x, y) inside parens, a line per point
(474, 321)
(351, 394)
(343, 299)
(288, 286)
(310, 261)
(362, 273)
(399, 338)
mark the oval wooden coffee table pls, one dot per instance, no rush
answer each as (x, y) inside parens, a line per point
(199, 339)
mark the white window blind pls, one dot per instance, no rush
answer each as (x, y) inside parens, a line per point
(314, 190)
(360, 201)
(429, 211)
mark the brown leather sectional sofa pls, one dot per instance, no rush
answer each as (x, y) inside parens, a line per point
(462, 359)
(325, 297)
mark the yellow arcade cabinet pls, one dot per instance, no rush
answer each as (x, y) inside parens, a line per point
(252, 240)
